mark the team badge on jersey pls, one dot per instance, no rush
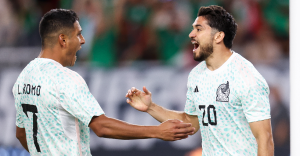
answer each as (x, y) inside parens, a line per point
(223, 93)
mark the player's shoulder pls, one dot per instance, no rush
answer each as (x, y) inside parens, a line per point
(71, 76)
(64, 78)
(199, 69)
(241, 65)
(55, 71)
(240, 61)
(245, 70)
(28, 70)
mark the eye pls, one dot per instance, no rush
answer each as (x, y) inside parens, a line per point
(198, 29)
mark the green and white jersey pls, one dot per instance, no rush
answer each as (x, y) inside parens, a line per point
(225, 101)
(55, 106)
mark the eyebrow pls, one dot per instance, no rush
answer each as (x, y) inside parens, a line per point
(198, 25)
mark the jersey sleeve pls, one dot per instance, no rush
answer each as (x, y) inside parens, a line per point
(19, 117)
(78, 101)
(255, 102)
(19, 110)
(189, 104)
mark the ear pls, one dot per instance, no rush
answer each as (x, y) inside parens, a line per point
(219, 36)
(62, 40)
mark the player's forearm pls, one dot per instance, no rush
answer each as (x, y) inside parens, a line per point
(112, 128)
(21, 136)
(162, 114)
(117, 129)
(170, 130)
(126, 133)
(262, 131)
(23, 142)
(265, 146)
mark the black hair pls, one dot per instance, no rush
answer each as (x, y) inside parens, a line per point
(221, 20)
(54, 21)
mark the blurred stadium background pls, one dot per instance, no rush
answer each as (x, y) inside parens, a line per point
(145, 42)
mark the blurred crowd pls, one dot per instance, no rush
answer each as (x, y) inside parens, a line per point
(125, 32)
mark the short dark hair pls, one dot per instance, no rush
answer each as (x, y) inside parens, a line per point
(54, 21)
(221, 20)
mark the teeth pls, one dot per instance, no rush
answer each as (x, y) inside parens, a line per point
(196, 45)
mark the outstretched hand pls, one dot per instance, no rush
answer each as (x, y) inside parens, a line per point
(169, 130)
(174, 129)
(138, 99)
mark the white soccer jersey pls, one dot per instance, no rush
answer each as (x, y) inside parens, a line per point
(55, 107)
(225, 101)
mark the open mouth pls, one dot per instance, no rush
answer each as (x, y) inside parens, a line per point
(196, 45)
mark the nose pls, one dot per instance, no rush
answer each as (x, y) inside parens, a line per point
(192, 34)
(82, 41)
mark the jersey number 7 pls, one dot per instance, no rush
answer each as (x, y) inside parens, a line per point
(33, 109)
(208, 115)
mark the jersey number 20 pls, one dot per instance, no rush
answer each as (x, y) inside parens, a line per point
(33, 109)
(209, 115)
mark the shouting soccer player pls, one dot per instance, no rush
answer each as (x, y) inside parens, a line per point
(226, 95)
(54, 106)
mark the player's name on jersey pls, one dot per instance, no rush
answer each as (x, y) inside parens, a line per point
(30, 89)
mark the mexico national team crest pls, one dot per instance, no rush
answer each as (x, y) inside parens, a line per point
(223, 93)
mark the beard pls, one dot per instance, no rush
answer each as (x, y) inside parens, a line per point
(205, 52)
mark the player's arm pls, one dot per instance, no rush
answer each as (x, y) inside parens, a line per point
(21, 136)
(86, 109)
(142, 101)
(170, 130)
(162, 114)
(263, 133)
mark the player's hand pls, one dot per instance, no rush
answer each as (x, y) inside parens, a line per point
(138, 99)
(172, 130)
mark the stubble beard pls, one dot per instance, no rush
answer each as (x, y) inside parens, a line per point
(74, 60)
(71, 61)
(74, 57)
(205, 52)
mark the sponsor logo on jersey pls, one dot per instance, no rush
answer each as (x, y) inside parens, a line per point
(196, 89)
(223, 93)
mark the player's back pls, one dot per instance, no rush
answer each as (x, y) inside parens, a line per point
(50, 129)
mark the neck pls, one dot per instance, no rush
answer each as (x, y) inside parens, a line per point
(219, 56)
(51, 53)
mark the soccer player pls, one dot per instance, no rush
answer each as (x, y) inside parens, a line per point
(226, 97)
(54, 106)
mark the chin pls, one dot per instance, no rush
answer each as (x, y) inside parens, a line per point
(73, 63)
(199, 58)
(74, 60)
